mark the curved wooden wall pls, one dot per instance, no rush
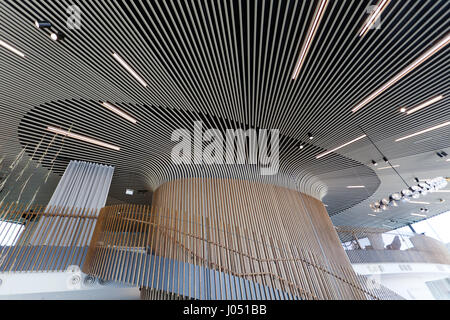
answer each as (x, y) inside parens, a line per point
(263, 212)
(224, 239)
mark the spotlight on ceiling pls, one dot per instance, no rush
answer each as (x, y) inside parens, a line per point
(310, 136)
(57, 36)
(42, 24)
(301, 146)
(374, 163)
(416, 179)
(129, 192)
(402, 109)
(444, 153)
(385, 159)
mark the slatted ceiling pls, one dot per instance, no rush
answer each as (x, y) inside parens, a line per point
(231, 61)
(33, 124)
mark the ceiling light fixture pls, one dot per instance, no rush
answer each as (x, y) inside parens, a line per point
(418, 202)
(402, 109)
(311, 33)
(119, 112)
(389, 167)
(129, 69)
(129, 192)
(425, 104)
(424, 131)
(82, 138)
(372, 215)
(310, 136)
(418, 215)
(42, 24)
(11, 48)
(438, 46)
(374, 163)
(355, 187)
(57, 36)
(342, 146)
(382, 4)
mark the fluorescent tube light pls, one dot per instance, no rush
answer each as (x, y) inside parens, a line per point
(129, 69)
(372, 215)
(309, 38)
(425, 104)
(418, 202)
(389, 167)
(424, 131)
(438, 46)
(382, 4)
(81, 138)
(119, 112)
(355, 187)
(419, 215)
(11, 48)
(340, 147)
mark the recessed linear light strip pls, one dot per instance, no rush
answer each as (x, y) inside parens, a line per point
(418, 215)
(424, 131)
(373, 17)
(340, 147)
(384, 168)
(311, 33)
(355, 187)
(82, 138)
(418, 202)
(11, 48)
(119, 112)
(425, 104)
(129, 69)
(441, 44)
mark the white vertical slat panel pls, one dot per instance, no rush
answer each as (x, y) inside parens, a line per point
(83, 187)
